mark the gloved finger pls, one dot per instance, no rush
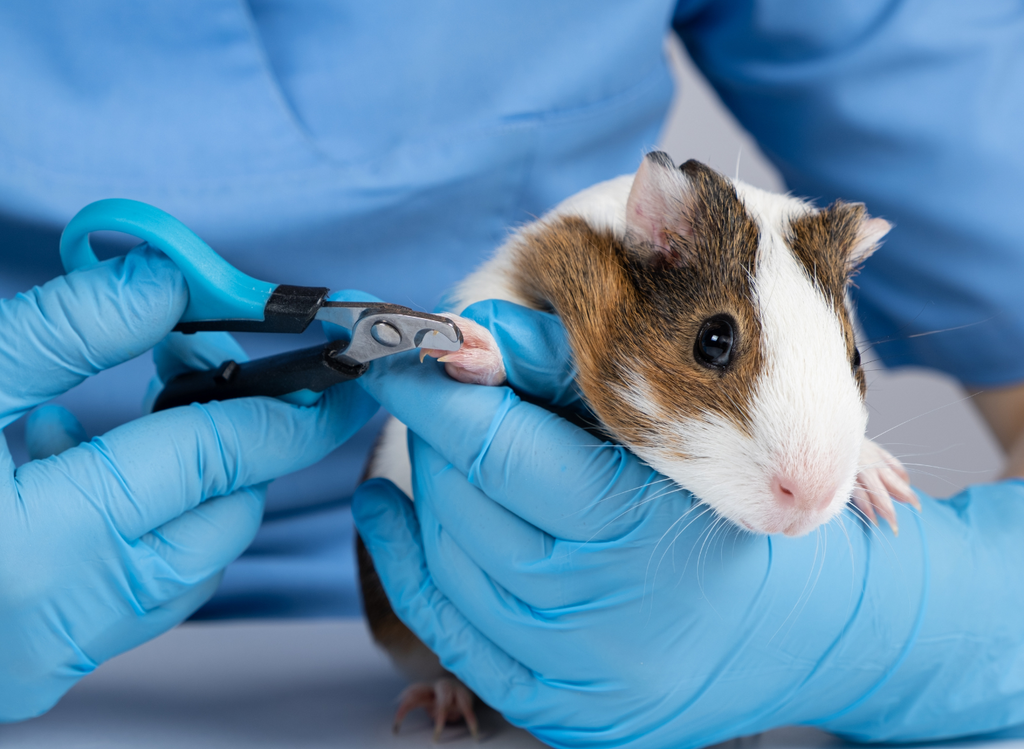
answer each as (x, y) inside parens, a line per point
(196, 545)
(528, 635)
(50, 430)
(56, 335)
(132, 632)
(535, 350)
(44, 691)
(389, 528)
(481, 598)
(531, 564)
(179, 353)
(519, 557)
(149, 471)
(518, 454)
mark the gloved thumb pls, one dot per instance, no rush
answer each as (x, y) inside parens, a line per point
(50, 430)
(58, 334)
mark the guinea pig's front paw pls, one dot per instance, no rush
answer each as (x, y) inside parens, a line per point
(446, 700)
(881, 479)
(478, 362)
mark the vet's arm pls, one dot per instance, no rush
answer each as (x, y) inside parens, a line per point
(1003, 409)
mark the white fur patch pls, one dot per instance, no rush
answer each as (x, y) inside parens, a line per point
(807, 415)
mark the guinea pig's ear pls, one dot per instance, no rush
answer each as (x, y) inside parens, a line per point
(659, 211)
(870, 233)
(843, 231)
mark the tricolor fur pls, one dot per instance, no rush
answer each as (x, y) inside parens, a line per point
(633, 269)
(637, 268)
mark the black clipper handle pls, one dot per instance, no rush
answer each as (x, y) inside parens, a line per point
(306, 369)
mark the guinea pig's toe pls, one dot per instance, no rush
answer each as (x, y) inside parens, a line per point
(446, 700)
(412, 697)
(891, 472)
(478, 362)
(874, 498)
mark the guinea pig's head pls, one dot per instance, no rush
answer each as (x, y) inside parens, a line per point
(741, 376)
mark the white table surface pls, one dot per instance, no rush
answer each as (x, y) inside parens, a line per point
(306, 683)
(300, 684)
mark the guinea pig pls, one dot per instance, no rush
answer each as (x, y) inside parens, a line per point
(711, 330)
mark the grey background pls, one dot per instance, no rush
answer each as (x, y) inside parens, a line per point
(324, 684)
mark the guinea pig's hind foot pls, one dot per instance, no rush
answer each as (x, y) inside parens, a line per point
(881, 478)
(478, 362)
(446, 700)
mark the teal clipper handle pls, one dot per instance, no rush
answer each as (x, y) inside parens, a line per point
(221, 297)
(217, 290)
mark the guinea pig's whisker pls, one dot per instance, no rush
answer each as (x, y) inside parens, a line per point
(663, 492)
(925, 333)
(647, 572)
(712, 534)
(631, 491)
(721, 531)
(705, 534)
(849, 545)
(890, 445)
(801, 601)
(706, 509)
(872, 528)
(621, 493)
(887, 542)
(937, 476)
(926, 413)
(919, 466)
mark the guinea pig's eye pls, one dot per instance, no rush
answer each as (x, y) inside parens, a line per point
(714, 345)
(856, 358)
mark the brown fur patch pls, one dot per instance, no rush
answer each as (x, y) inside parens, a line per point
(387, 629)
(385, 626)
(822, 242)
(629, 309)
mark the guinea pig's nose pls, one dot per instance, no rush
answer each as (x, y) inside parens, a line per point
(784, 490)
(790, 494)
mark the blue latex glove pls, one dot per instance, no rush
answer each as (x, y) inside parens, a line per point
(111, 542)
(595, 604)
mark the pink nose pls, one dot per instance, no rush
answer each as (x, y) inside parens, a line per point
(789, 494)
(784, 491)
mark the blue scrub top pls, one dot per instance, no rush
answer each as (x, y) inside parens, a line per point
(389, 147)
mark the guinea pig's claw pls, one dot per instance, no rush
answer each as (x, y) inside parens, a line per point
(479, 360)
(446, 700)
(881, 479)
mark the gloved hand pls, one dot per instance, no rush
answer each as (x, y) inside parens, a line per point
(595, 604)
(111, 542)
